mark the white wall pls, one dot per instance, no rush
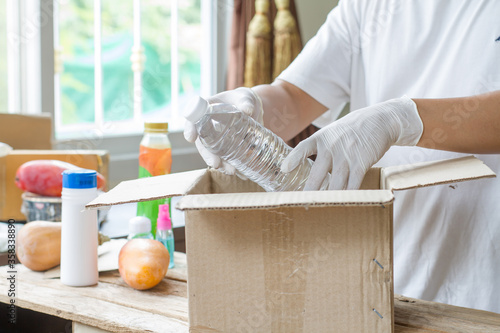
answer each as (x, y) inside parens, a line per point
(312, 14)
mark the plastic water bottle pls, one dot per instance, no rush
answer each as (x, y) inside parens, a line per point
(155, 159)
(139, 227)
(79, 231)
(164, 232)
(248, 146)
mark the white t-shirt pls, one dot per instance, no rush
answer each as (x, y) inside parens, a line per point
(446, 238)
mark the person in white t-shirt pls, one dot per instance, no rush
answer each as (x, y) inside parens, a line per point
(373, 54)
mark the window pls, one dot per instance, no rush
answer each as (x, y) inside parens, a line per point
(115, 71)
(51, 68)
(20, 56)
(184, 44)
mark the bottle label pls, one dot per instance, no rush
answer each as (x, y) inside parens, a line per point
(154, 162)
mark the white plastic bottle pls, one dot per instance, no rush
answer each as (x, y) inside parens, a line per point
(79, 231)
(251, 148)
(139, 227)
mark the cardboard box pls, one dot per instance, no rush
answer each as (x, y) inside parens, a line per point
(10, 194)
(26, 131)
(317, 261)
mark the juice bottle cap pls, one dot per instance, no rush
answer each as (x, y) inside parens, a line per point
(139, 225)
(156, 127)
(195, 109)
(163, 222)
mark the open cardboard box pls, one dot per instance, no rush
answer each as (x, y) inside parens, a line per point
(11, 195)
(290, 261)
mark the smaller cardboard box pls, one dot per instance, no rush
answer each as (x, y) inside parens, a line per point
(10, 194)
(22, 131)
(317, 261)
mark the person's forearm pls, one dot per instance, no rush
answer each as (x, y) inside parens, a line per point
(468, 124)
(287, 109)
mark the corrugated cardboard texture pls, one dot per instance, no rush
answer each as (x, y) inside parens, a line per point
(173, 185)
(257, 200)
(290, 269)
(403, 177)
(26, 131)
(152, 188)
(207, 181)
(371, 180)
(221, 183)
(211, 181)
(10, 194)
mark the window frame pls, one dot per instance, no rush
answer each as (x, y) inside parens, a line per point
(215, 34)
(25, 22)
(122, 147)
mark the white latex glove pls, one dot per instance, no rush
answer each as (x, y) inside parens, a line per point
(348, 147)
(247, 101)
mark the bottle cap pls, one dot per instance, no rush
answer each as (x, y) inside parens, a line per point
(156, 127)
(163, 222)
(195, 109)
(80, 178)
(139, 225)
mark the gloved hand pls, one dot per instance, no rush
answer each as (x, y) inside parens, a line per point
(349, 146)
(247, 101)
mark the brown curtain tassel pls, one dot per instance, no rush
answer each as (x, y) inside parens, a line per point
(258, 47)
(287, 44)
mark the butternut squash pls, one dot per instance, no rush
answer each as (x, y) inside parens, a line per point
(38, 245)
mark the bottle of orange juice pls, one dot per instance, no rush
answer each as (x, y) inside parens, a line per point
(155, 159)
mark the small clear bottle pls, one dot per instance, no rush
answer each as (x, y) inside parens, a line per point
(164, 232)
(155, 159)
(139, 227)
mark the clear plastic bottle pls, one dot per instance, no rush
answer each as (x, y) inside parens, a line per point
(251, 148)
(164, 231)
(139, 227)
(155, 159)
(79, 231)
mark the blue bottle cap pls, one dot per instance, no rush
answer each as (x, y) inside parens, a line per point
(81, 178)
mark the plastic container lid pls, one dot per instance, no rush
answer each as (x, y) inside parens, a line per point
(139, 225)
(163, 222)
(81, 178)
(155, 127)
(195, 109)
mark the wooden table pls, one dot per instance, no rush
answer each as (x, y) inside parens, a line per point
(113, 306)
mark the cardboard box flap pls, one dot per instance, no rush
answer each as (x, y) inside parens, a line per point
(404, 177)
(266, 200)
(198, 182)
(151, 188)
